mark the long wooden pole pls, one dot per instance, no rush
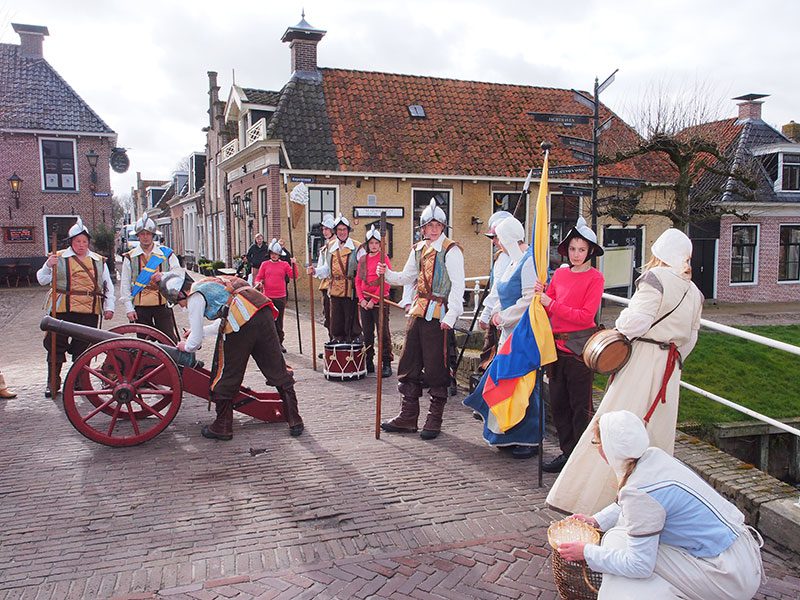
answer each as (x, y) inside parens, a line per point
(313, 324)
(381, 316)
(294, 279)
(53, 299)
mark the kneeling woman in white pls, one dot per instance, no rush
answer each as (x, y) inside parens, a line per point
(669, 535)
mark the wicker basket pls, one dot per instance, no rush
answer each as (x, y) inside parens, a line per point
(574, 580)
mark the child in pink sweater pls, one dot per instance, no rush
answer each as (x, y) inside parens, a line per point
(271, 281)
(368, 281)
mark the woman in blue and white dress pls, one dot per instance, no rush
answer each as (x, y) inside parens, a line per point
(511, 297)
(669, 534)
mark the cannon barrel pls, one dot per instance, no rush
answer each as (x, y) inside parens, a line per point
(91, 334)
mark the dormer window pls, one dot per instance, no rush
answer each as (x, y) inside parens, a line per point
(781, 163)
(791, 172)
(416, 111)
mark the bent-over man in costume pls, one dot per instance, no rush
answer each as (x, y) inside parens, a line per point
(436, 265)
(244, 321)
(142, 269)
(84, 291)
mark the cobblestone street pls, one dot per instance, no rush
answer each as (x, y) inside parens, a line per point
(334, 513)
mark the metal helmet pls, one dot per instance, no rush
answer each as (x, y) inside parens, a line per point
(495, 220)
(174, 286)
(373, 234)
(432, 213)
(275, 247)
(145, 224)
(340, 220)
(77, 229)
(583, 231)
(327, 221)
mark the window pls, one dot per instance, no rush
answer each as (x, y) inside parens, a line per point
(421, 200)
(58, 165)
(563, 215)
(416, 110)
(507, 201)
(789, 257)
(321, 201)
(791, 172)
(744, 242)
(262, 207)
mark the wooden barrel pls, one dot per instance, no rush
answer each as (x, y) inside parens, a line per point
(607, 351)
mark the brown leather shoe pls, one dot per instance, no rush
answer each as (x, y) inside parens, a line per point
(209, 433)
(7, 394)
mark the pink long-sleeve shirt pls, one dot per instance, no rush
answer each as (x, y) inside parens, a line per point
(575, 300)
(273, 274)
(371, 262)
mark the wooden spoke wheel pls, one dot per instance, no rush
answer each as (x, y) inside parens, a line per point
(144, 332)
(133, 392)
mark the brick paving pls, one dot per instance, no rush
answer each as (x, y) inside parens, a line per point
(332, 514)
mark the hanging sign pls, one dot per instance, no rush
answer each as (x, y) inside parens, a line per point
(119, 160)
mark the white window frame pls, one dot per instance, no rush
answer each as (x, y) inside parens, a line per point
(785, 281)
(336, 208)
(779, 182)
(414, 223)
(42, 174)
(756, 257)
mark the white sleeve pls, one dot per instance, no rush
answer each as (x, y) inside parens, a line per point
(196, 305)
(125, 285)
(407, 276)
(408, 295)
(108, 290)
(489, 304)
(510, 316)
(322, 271)
(454, 262)
(640, 314)
(44, 275)
(608, 517)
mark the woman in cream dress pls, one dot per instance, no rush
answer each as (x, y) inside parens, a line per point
(665, 313)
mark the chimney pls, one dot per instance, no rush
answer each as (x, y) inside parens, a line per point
(31, 38)
(303, 40)
(750, 107)
(792, 131)
(213, 97)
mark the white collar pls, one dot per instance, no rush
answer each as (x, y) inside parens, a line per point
(347, 244)
(437, 245)
(156, 250)
(68, 252)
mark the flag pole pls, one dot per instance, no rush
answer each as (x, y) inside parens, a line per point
(313, 324)
(381, 316)
(53, 300)
(294, 279)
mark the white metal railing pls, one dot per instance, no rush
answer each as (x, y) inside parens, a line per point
(230, 149)
(753, 337)
(256, 132)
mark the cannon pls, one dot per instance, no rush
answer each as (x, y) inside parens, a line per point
(123, 390)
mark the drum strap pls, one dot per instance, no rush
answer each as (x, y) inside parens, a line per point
(673, 358)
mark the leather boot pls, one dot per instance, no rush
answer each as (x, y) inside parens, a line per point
(433, 422)
(48, 392)
(222, 427)
(406, 421)
(5, 393)
(290, 410)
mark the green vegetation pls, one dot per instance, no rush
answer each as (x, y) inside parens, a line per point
(760, 378)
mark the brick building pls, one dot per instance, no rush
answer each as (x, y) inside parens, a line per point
(757, 258)
(56, 144)
(367, 141)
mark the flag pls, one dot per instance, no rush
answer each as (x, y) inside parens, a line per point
(511, 378)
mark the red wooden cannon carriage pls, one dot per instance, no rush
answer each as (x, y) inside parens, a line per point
(123, 390)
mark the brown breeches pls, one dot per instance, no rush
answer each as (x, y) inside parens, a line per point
(66, 344)
(344, 319)
(159, 317)
(423, 363)
(369, 323)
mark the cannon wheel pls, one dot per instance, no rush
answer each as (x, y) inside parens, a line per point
(148, 333)
(135, 392)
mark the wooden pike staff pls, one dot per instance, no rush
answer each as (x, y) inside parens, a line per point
(313, 324)
(381, 341)
(294, 279)
(53, 288)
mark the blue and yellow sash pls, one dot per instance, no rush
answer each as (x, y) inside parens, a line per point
(143, 280)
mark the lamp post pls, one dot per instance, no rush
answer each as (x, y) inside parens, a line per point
(91, 158)
(15, 181)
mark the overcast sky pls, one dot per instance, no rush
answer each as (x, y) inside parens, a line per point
(141, 64)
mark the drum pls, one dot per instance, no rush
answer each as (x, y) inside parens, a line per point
(344, 362)
(607, 351)
(574, 580)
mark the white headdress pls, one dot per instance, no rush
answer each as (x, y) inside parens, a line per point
(623, 436)
(432, 212)
(510, 233)
(327, 221)
(340, 220)
(495, 220)
(275, 247)
(373, 234)
(674, 248)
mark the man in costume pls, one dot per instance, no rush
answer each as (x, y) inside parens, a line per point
(367, 290)
(142, 269)
(84, 292)
(326, 227)
(499, 263)
(340, 268)
(436, 265)
(244, 321)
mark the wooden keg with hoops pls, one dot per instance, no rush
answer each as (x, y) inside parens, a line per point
(607, 351)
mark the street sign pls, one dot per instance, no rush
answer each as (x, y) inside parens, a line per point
(587, 101)
(565, 170)
(604, 125)
(582, 155)
(571, 190)
(298, 179)
(559, 118)
(621, 182)
(101, 194)
(607, 82)
(574, 142)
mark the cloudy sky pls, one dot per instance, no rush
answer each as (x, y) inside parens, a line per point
(141, 65)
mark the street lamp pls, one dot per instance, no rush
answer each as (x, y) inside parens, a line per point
(15, 181)
(247, 201)
(236, 209)
(91, 158)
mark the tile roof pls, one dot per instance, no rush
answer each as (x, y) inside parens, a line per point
(34, 96)
(264, 97)
(358, 121)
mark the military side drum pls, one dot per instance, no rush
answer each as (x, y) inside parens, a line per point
(607, 351)
(344, 362)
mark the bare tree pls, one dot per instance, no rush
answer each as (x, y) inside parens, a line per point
(679, 127)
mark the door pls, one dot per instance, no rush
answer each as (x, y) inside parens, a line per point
(61, 226)
(615, 237)
(704, 263)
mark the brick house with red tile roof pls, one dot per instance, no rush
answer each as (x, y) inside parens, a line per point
(364, 141)
(46, 133)
(756, 259)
